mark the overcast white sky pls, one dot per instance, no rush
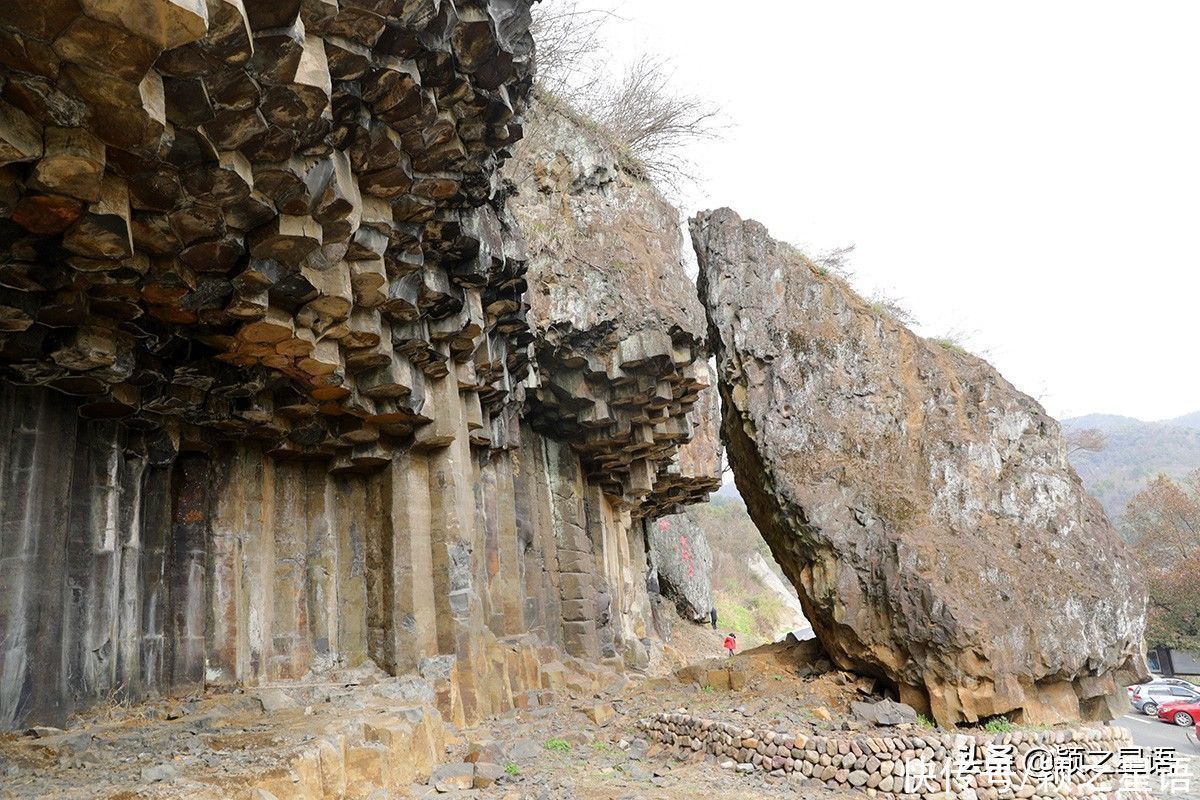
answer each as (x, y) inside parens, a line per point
(1025, 173)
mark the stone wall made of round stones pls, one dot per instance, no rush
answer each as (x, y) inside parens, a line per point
(876, 764)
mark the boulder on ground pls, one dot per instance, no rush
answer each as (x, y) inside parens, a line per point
(600, 713)
(884, 712)
(923, 508)
(487, 773)
(450, 777)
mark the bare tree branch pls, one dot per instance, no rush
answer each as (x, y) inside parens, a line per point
(642, 113)
(568, 41)
(836, 261)
(646, 114)
(886, 304)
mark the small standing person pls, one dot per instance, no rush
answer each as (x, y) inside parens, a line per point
(731, 643)
(712, 616)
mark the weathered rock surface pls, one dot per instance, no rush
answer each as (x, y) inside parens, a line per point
(883, 712)
(922, 506)
(681, 557)
(276, 221)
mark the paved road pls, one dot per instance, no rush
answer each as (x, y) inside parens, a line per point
(1149, 732)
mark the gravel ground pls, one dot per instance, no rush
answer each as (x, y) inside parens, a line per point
(585, 747)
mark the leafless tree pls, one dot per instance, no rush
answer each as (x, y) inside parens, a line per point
(642, 112)
(836, 261)
(1091, 440)
(885, 303)
(568, 40)
(648, 115)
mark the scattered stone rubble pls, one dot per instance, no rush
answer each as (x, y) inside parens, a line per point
(354, 734)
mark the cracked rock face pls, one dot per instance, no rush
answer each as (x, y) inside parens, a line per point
(923, 508)
(680, 555)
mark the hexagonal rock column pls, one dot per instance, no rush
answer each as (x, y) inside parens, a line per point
(923, 507)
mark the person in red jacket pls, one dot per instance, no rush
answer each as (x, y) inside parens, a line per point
(731, 643)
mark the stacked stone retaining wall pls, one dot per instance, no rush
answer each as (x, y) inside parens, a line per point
(929, 764)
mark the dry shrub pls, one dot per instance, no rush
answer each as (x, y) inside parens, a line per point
(568, 44)
(653, 120)
(642, 113)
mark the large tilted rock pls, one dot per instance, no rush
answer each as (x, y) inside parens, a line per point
(922, 506)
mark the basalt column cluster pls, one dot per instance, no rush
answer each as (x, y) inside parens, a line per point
(621, 375)
(271, 400)
(276, 221)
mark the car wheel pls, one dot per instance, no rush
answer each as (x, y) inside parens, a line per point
(1150, 709)
(1183, 719)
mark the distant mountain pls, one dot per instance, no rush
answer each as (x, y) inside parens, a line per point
(1104, 422)
(1186, 421)
(1136, 452)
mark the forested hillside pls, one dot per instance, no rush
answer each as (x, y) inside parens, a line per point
(1135, 452)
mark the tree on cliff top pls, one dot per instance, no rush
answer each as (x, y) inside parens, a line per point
(647, 115)
(1165, 520)
(642, 113)
(567, 38)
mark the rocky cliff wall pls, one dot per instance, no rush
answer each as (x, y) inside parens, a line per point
(923, 508)
(272, 403)
(681, 557)
(620, 333)
(132, 569)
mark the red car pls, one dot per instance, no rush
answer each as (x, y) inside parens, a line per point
(1185, 714)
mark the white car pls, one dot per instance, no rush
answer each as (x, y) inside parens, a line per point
(1159, 679)
(1149, 696)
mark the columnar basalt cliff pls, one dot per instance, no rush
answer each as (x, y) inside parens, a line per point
(923, 508)
(322, 348)
(620, 330)
(619, 355)
(271, 400)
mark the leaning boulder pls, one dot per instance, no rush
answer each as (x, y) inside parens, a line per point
(923, 508)
(679, 554)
